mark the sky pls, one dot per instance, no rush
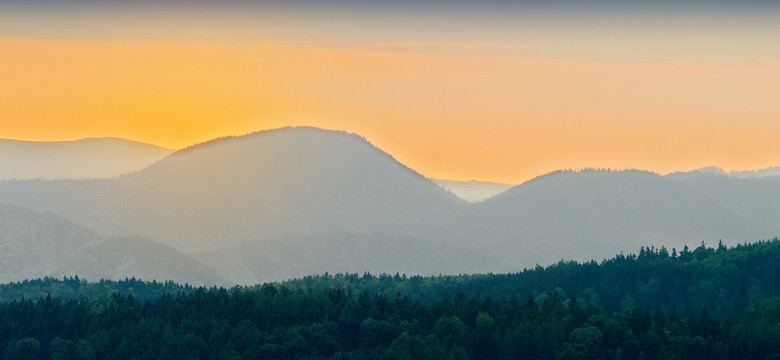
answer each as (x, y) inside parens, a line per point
(496, 90)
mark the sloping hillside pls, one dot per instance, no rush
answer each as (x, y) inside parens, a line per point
(591, 214)
(80, 159)
(285, 182)
(294, 201)
(755, 197)
(34, 245)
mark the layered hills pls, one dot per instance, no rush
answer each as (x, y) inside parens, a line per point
(80, 159)
(587, 214)
(473, 190)
(284, 203)
(285, 182)
(34, 244)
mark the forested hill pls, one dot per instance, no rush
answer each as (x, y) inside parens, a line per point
(671, 280)
(707, 303)
(676, 282)
(73, 288)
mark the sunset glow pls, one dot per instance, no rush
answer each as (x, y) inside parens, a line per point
(447, 105)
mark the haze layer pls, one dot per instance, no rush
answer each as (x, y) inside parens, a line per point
(500, 92)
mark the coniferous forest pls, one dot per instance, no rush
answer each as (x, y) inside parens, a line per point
(392, 180)
(703, 303)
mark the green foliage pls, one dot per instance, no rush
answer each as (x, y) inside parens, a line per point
(700, 304)
(24, 349)
(75, 288)
(656, 279)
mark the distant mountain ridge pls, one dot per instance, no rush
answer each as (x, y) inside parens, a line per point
(34, 244)
(79, 159)
(287, 202)
(582, 214)
(770, 171)
(275, 183)
(473, 190)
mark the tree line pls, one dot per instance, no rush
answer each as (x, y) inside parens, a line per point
(705, 303)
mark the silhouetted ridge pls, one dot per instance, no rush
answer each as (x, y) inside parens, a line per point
(79, 159)
(272, 195)
(289, 202)
(745, 174)
(565, 172)
(589, 214)
(257, 136)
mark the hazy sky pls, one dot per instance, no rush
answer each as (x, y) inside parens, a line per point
(499, 91)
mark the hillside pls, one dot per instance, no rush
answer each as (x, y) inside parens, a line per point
(302, 183)
(592, 213)
(34, 245)
(80, 159)
(705, 303)
(289, 202)
(750, 197)
(281, 258)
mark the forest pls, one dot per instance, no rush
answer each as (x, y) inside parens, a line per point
(704, 303)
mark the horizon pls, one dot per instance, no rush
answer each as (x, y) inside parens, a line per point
(550, 176)
(464, 180)
(499, 92)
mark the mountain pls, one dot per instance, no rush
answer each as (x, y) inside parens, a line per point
(472, 190)
(80, 159)
(288, 202)
(301, 183)
(590, 214)
(34, 244)
(752, 197)
(770, 171)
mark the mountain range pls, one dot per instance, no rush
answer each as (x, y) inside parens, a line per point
(288, 202)
(80, 159)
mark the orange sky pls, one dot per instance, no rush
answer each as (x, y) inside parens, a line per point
(456, 110)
